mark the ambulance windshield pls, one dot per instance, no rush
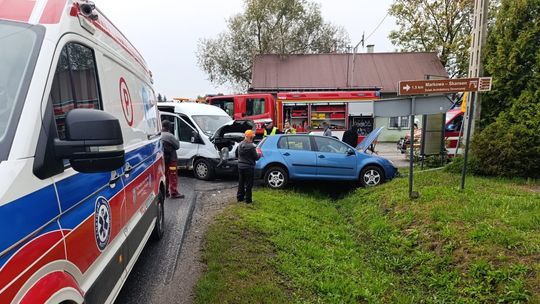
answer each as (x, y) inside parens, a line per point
(18, 52)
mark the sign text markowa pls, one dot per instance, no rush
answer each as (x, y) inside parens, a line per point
(421, 87)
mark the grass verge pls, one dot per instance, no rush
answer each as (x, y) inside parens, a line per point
(376, 246)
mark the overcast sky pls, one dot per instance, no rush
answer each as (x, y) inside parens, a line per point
(166, 33)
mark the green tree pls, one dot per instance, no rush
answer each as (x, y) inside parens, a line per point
(512, 57)
(267, 27)
(159, 98)
(441, 26)
(509, 144)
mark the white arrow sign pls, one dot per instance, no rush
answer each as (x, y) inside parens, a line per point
(407, 88)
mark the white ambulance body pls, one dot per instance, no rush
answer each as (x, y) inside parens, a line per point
(81, 167)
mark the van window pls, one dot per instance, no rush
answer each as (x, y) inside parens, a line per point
(185, 132)
(255, 106)
(75, 83)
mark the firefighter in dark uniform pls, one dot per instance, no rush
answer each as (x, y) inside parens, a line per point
(247, 156)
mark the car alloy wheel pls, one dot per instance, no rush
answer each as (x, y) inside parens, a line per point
(276, 177)
(371, 176)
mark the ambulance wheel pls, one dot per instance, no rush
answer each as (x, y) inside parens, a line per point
(371, 176)
(203, 169)
(276, 177)
(159, 228)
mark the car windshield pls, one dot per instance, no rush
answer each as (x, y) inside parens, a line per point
(18, 52)
(210, 123)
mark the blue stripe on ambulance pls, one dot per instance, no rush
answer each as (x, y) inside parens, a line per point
(27, 214)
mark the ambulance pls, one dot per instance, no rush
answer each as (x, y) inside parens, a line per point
(81, 164)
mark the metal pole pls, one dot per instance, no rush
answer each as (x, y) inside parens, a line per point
(468, 139)
(411, 144)
(443, 144)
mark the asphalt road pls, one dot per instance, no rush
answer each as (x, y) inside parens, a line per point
(154, 276)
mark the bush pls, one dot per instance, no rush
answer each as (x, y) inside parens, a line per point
(511, 145)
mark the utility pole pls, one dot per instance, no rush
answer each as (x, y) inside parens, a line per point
(479, 35)
(475, 70)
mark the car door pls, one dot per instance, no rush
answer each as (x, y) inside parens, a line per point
(297, 153)
(184, 133)
(92, 205)
(334, 159)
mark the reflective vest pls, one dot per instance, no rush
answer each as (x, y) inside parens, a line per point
(274, 130)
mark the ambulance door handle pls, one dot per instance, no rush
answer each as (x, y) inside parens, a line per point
(127, 169)
(114, 179)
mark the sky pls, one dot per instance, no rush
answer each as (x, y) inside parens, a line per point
(166, 33)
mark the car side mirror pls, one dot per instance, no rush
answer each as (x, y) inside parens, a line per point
(93, 143)
(195, 137)
(350, 152)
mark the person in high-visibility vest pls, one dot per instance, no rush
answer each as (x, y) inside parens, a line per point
(270, 129)
(287, 129)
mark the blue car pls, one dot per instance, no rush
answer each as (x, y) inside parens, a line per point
(287, 158)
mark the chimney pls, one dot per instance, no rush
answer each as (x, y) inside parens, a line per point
(370, 48)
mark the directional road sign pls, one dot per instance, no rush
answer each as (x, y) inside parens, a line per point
(443, 86)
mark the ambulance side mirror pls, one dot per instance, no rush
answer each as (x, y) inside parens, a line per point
(93, 143)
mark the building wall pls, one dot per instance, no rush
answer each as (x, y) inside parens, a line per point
(392, 134)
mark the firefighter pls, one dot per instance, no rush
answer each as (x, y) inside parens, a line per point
(270, 129)
(288, 129)
(247, 156)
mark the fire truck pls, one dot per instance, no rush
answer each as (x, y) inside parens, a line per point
(305, 111)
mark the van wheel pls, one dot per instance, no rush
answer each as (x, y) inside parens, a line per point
(276, 178)
(203, 169)
(371, 176)
(159, 228)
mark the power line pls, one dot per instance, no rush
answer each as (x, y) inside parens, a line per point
(379, 25)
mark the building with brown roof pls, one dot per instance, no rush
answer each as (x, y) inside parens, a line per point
(336, 72)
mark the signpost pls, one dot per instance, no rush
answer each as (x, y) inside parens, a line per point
(444, 86)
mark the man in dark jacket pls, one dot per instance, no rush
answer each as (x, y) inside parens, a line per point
(170, 145)
(350, 136)
(247, 156)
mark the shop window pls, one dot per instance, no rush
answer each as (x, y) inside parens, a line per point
(399, 122)
(75, 83)
(255, 106)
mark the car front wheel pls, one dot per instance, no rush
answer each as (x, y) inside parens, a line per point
(276, 178)
(203, 169)
(371, 176)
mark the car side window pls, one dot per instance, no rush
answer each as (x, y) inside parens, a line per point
(330, 145)
(185, 132)
(298, 143)
(188, 121)
(75, 83)
(172, 120)
(282, 143)
(255, 106)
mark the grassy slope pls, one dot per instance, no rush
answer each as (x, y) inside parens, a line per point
(481, 245)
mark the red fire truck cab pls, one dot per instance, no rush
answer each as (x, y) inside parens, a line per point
(257, 107)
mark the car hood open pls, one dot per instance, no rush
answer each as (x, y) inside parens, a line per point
(233, 126)
(369, 139)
